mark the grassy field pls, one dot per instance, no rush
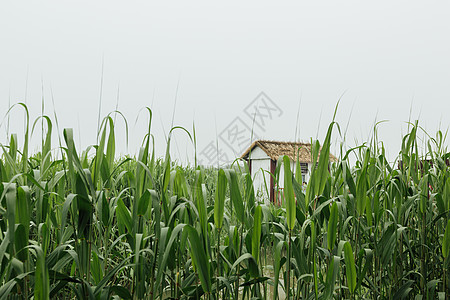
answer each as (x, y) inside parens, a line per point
(86, 225)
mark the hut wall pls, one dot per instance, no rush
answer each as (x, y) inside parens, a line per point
(260, 164)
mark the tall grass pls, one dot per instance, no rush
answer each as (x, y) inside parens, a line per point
(90, 226)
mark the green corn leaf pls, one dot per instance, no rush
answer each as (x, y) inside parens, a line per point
(369, 211)
(172, 239)
(251, 263)
(277, 266)
(71, 155)
(84, 207)
(111, 144)
(21, 241)
(446, 195)
(322, 173)
(120, 291)
(13, 147)
(289, 193)
(13, 150)
(219, 203)
(365, 268)
(11, 198)
(446, 241)
(99, 157)
(123, 215)
(42, 281)
(199, 257)
(332, 273)
(348, 178)
(96, 270)
(404, 291)
(361, 190)
(235, 193)
(350, 267)
(332, 226)
(424, 190)
(103, 209)
(299, 196)
(143, 203)
(113, 272)
(201, 204)
(23, 209)
(46, 143)
(256, 237)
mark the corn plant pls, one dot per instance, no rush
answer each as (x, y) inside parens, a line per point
(87, 224)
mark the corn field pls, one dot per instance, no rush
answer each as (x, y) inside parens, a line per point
(89, 225)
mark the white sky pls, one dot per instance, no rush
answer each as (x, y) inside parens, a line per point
(387, 56)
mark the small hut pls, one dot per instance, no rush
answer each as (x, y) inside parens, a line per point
(262, 157)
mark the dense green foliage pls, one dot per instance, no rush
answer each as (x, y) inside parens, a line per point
(88, 226)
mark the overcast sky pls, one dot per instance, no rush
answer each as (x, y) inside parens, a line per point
(389, 60)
